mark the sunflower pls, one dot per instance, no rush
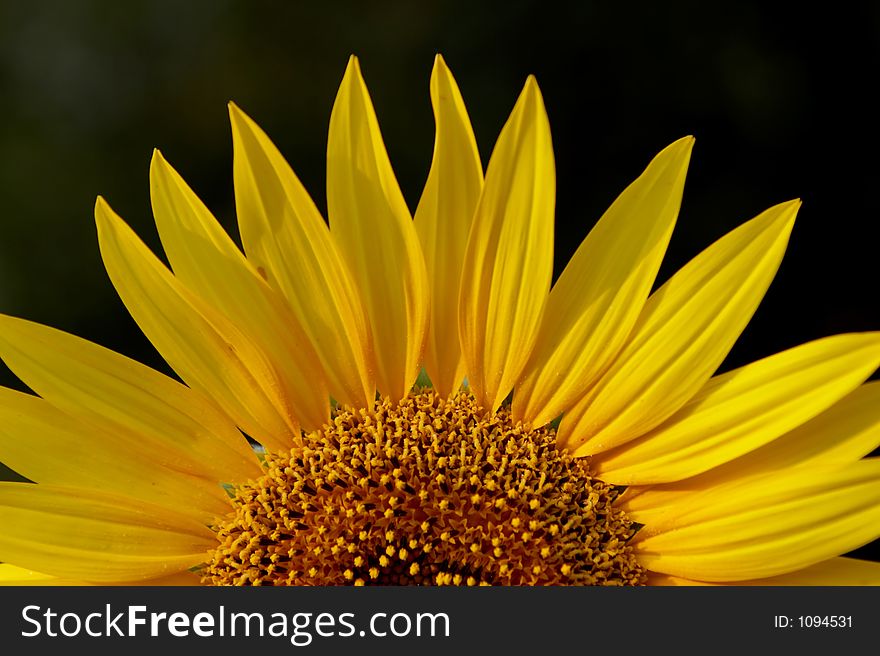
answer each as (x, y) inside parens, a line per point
(573, 435)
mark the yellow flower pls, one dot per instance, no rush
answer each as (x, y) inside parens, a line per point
(658, 472)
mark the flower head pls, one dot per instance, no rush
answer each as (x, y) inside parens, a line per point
(574, 434)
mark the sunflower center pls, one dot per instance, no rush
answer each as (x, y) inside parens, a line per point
(424, 492)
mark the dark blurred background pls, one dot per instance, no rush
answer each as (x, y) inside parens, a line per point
(781, 100)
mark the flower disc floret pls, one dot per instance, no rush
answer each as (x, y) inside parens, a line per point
(426, 491)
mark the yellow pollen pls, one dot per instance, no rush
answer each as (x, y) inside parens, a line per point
(424, 492)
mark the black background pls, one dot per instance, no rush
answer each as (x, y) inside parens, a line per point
(780, 97)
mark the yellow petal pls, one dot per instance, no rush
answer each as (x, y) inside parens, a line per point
(846, 432)
(647, 505)
(178, 579)
(46, 445)
(509, 258)
(744, 409)
(286, 238)
(655, 579)
(597, 299)
(95, 536)
(766, 525)
(12, 575)
(142, 408)
(443, 221)
(208, 352)
(208, 263)
(684, 332)
(835, 572)
(374, 230)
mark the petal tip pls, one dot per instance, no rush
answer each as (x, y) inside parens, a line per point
(531, 100)
(782, 214)
(678, 152)
(353, 87)
(790, 209)
(531, 87)
(682, 146)
(105, 217)
(236, 115)
(157, 160)
(353, 68)
(239, 119)
(101, 206)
